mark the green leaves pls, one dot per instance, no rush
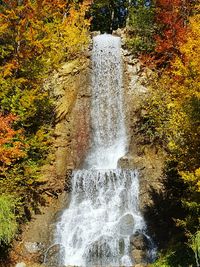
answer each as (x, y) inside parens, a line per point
(35, 38)
(196, 247)
(108, 15)
(172, 119)
(8, 224)
(141, 28)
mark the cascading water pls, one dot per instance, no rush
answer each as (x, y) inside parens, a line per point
(109, 135)
(103, 214)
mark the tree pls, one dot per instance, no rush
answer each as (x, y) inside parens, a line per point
(36, 37)
(108, 15)
(174, 115)
(11, 143)
(141, 27)
(171, 29)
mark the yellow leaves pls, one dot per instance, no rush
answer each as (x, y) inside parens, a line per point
(174, 108)
(192, 178)
(190, 49)
(8, 68)
(170, 105)
(3, 27)
(11, 13)
(197, 173)
(172, 145)
(175, 99)
(74, 30)
(45, 30)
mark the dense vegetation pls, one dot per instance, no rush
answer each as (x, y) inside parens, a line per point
(37, 36)
(108, 15)
(167, 43)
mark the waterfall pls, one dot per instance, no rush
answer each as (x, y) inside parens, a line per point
(103, 214)
(109, 135)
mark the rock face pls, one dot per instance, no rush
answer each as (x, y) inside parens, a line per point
(147, 158)
(126, 224)
(32, 247)
(70, 87)
(51, 255)
(142, 155)
(139, 241)
(39, 233)
(140, 248)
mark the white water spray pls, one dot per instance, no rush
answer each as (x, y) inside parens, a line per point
(103, 214)
(109, 134)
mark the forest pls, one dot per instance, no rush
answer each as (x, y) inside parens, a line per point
(36, 37)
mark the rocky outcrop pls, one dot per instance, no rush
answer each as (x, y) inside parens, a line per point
(38, 234)
(140, 248)
(70, 88)
(148, 159)
(143, 155)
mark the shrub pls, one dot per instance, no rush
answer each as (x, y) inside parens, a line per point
(8, 224)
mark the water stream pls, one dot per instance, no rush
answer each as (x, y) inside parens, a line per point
(103, 214)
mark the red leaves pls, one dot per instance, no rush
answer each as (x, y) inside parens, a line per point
(171, 24)
(169, 4)
(11, 146)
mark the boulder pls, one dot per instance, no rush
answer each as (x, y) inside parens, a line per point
(20, 264)
(126, 224)
(51, 258)
(32, 247)
(138, 256)
(139, 241)
(139, 248)
(98, 249)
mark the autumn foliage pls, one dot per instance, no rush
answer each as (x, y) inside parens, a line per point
(173, 110)
(170, 18)
(36, 37)
(11, 143)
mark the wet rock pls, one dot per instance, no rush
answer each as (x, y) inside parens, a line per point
(125, 162)
(139, 256)
(95, 33)
(121, 246)
(140, 246)
(21, 264)
(32, 247)
(126, 261)
(98, 250)
(139, 241)
(51, 258)
(68, 184)
(126, 224)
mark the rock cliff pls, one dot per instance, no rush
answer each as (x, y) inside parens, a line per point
(71, 91)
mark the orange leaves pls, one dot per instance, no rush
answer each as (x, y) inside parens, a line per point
(11, 146)
(170, 18)
(76, 15)
(38, 28)
(169, 4)
(36, 36)
(9, 67)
